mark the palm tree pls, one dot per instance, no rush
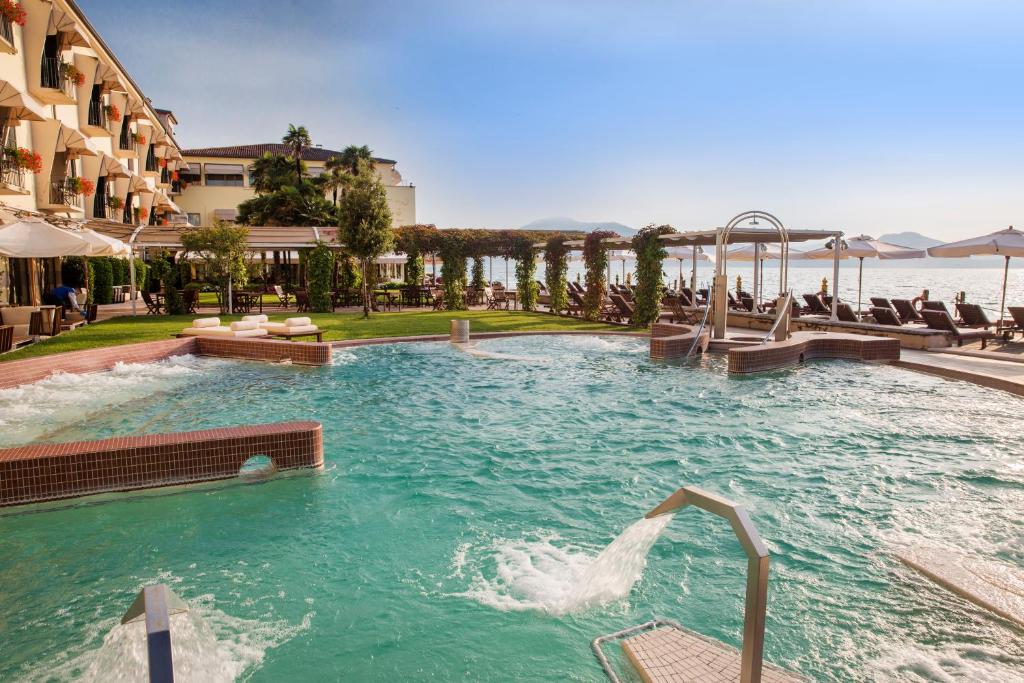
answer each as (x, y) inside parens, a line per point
(335, 178)
(270, 172)
(297, 139)
(353, 155)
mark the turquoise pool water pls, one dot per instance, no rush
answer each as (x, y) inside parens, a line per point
(463, 497)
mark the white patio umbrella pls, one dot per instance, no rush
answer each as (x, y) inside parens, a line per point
(686, 254)
(38, 239)
(1005, 243)
(765, 252)
(863, 247)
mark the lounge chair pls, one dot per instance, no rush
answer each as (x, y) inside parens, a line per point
(682, 315)
(815, 305)
(884, 315)
(973, 315)
(190, 299)
(211, 327)
(289, 329)
(941, 320)
(845, 313)
(6, 338)
(495, 298)
(880, 302)
(19, 319)
(907, 312)
(1017, 313)
(624, 308)
(934, 306)
(575, 304)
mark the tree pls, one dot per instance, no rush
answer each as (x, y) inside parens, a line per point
(223, 248)
(335, 177)
(302, 204)
(365, 224)
(354, 157)
(271, 172)
(297, 139)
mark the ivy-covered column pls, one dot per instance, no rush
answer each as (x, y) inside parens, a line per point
(556, 272)
(595, 260)
(649, 254)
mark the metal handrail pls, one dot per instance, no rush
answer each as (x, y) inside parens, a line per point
(787, 310)
(755, 606)
(157, 603)
(703, 323)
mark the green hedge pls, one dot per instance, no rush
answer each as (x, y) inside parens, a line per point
(102, 280)
(73, 271)
(319, 270)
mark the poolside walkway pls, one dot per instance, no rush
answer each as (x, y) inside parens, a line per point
(1006, 375)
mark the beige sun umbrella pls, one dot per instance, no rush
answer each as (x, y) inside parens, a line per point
(20, 107)
(38, 239)
(764, 252)
(863, 247)
(1005, 243)
(102, 245)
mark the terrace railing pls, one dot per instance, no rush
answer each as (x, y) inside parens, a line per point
(11, 172)
(63, 193)
(97, 116)
(7, 30)
(52, 75)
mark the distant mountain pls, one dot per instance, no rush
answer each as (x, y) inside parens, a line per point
(914, 240)
(566, 223)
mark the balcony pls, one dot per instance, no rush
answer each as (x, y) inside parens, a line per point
(12, 176)
(175, 187)
(150, 169)
(96, 123)
(63, 197)
(56, 87)
(7, 36)
(165, 177)
(125, 147)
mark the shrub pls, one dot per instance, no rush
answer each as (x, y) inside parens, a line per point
(141, 275)
(479, 281)
(102, 280)
(453, 271)
(348, 274)
(414, 268)
(319, 269)
(73, 271)
(526, 272)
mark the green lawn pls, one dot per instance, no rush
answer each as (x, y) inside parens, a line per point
(129, 330)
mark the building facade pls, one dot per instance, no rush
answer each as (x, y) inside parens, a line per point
(218, 179)
(79, 138)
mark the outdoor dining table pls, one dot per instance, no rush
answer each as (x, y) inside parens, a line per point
(387, 297)
(514, 296)
(244, 302)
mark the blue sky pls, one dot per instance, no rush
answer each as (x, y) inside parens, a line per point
(864, 116)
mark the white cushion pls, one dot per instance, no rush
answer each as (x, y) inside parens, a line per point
(297, 329)
(244, 325)
(17, 315)
(206, 322)
(221, 331)
(274, 327)
(261, 318)
(298, 322)
(249, 333)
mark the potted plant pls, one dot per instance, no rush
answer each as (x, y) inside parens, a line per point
(115, 203)
(81, 186)
(163, 163)
(138, 138)
(12, 12)
(25, 159)
(72, 73)
(140, 214)
(112, 112)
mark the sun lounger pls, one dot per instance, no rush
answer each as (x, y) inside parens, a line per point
(884, 315)
(934, 306)
(941, 320)
(973, 315)
(845, 313)
(815, 305)
(211, 327)
(881, 302)
(1017, 312)
(907, 312)
(624, 308)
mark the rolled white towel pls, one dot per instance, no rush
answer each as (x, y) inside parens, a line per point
(206, 322)
(244, 325)
(261, 318)
(297, 322)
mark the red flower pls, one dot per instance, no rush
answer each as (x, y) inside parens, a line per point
(13, 12)
(139, 139)
(174, 176)
(163, 163)
(142, 213)
(113, 113)
(27, 159)
(86, 187)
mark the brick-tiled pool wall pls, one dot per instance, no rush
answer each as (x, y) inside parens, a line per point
(669, 340)
(46, 472)
(805, 346)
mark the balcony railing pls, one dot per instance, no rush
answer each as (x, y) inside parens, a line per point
(165, 176)
(63, 193)
(151, 161)
(126, 142)
(97, 116)
(6, 30)
(52, 76)
(11, 173)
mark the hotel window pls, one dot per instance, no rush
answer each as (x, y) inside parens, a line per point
(192, 176)
(225, 175)
(195, 220)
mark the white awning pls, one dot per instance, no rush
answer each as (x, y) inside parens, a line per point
(23, 107)
(225, 214)
(62, 22)
(109, 166)
(225, 169)
(138, 185)
(70, 140)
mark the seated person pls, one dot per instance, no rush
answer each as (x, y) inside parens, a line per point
(66, 296)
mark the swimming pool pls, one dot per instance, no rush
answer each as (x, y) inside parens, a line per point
(463, 497)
